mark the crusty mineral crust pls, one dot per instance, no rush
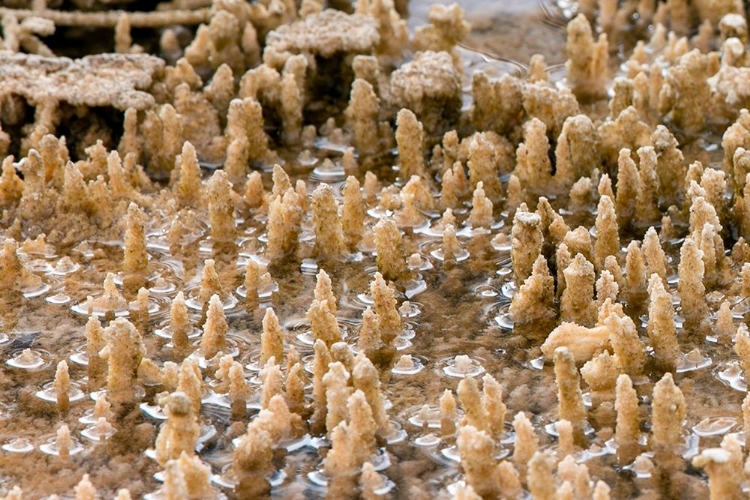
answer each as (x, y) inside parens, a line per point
(118, 80)
(111, 18)
(324, 34)
(429, 79)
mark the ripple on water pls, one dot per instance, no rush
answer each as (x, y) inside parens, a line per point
(18, 445)
(438, 253)
(730, 373)
(408, 365)
(98, 434)
(49, 394)
(50, 447)
(29, 359)
(193, 301)
(59, 298)
(493, 66)
(714, 426)
(328, 172)
(692, 361)
(35, 290)
(63, 267)
(461, 366)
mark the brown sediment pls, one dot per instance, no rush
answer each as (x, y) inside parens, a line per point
(615, 142)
